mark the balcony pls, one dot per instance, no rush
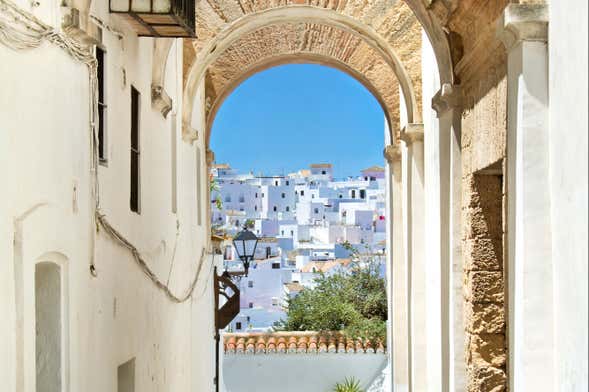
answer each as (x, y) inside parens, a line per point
(158, 18)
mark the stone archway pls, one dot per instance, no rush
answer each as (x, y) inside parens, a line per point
(388, 34)
(216, 101)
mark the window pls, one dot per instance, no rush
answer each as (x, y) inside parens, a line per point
(241, 198)
(255, 208)
(287, 208)
(256, 195)
(291, 232)
(275, 265)
(362, 193)
(238, 325)
(275, 208)
(340, 196)
(276, 183)
(251, 305)
(323, 172)
(302, 193)
(316, 210)
(101, 105)
(135, 202)
(250, 284)
(353, 193)
(283, 195)
(220, 218)
(262, 195)
(313, 196)
(237, 223)
(287, 182)
(282, 232)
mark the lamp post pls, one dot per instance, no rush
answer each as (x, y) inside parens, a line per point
(245, 243)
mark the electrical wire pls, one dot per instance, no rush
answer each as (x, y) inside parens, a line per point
(20, 30)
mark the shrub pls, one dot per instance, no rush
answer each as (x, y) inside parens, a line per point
(349, 385)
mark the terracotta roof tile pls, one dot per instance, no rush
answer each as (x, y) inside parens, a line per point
(258, 343)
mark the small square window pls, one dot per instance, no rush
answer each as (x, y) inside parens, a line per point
(238, 325)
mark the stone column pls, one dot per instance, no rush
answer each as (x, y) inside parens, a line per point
(398, 335)
(448, 104)
(414, 222)
(523, 30)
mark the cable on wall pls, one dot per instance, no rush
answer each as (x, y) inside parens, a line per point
(20, 30)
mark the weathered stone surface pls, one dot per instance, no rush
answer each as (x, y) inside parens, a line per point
(486, 318)
(481, 224)
(484, 286)
(486, 350)
(486, 379)
(483, 254)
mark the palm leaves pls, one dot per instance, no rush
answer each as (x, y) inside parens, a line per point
(349, 385)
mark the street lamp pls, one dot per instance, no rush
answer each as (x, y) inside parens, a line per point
(245, 243)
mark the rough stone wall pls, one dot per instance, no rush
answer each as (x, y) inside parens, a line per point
(484, 128)
(484, 309)
(480, 69)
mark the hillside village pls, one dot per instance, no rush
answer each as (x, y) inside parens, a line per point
(307, 224)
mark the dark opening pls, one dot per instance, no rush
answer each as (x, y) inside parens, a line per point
(101, 104)
(135, 191)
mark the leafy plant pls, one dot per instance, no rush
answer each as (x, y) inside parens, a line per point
(349, 385)
(353, 302)
(214, 188)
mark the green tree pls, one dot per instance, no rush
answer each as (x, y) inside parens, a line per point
(353, 302)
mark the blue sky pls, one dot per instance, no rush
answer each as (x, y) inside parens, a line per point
(287, 117)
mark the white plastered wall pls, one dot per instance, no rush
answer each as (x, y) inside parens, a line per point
(46, 208)
(568, 171)
(433, 208)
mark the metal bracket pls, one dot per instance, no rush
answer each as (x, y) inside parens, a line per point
(226, 288)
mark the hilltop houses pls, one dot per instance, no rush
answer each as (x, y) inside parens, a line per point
(305, 222)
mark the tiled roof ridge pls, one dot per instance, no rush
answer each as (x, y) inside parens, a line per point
(298, 342)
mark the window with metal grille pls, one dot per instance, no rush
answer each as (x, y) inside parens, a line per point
(100, 55)
(135, 151)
